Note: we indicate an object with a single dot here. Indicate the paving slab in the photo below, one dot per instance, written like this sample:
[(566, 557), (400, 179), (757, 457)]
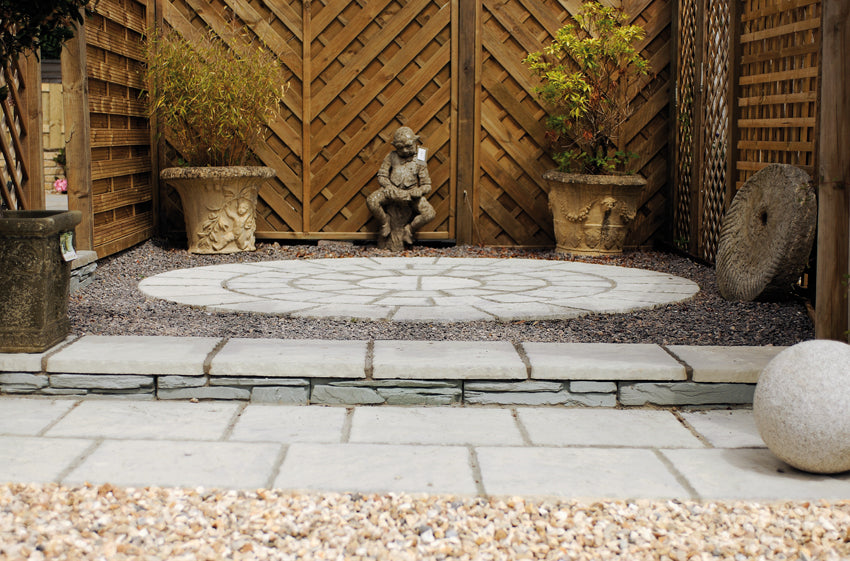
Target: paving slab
[(753, 474), (96, 354), (412, 289), (287, 424), (432, 425), (291, 358), (137, 463), (28, 416), (734, 428), (577, 473), (25, 459), (606, 427), (154, 420), (377, 468), (447, 360), (724, 363), (602, 361)]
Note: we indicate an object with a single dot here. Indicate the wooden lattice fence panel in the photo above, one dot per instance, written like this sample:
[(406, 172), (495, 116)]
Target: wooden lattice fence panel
[(20, 136), (375, 66), (511, 194), (121, 155), (778, 83), (686, 94), (714, 125)]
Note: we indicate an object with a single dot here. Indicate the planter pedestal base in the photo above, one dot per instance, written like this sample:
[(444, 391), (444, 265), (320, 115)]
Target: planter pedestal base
[(34, 279)]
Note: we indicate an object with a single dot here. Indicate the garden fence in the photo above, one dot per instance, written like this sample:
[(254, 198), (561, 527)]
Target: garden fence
[(21, 170)]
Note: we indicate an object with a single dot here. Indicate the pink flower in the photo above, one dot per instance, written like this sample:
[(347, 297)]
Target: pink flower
[(60, 185)]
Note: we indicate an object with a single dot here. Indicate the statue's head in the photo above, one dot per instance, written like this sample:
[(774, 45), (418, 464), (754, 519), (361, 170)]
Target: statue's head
[(405, 141)]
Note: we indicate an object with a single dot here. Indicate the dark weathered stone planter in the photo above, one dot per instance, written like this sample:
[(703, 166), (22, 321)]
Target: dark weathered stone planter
[(219, 205), (34, 279), (592, 213)]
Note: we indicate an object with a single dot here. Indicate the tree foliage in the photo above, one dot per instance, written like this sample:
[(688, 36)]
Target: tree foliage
[(585, 73), (26, 24)]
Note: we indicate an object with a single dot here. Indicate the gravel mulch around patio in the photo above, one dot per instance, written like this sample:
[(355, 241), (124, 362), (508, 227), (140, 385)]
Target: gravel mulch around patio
[(54, 522), (113, 305)]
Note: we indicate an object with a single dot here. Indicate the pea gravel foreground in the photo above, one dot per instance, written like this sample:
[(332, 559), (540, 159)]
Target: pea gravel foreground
[(105, 522)]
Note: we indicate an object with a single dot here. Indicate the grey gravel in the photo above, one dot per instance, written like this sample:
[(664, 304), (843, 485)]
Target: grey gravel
[(113, 305)]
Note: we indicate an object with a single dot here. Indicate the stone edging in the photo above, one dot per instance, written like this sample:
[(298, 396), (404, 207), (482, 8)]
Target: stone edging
[(388, 372)]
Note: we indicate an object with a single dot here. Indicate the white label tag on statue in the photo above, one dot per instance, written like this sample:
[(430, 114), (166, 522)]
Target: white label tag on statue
[(422, 154), (66, 244)]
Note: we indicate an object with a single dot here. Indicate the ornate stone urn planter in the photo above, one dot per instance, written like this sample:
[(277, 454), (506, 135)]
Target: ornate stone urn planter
[(219, 205), (35, 279), (592, 213)]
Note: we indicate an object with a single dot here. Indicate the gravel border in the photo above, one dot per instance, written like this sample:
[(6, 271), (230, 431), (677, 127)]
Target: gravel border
[(113, 305), (105, 522)]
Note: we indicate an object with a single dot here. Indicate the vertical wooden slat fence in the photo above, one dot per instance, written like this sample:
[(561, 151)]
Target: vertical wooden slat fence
[(21, 173)]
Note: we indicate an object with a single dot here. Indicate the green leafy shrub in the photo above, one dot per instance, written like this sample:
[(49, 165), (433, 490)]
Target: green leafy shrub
[(585, 74), (215, 97)]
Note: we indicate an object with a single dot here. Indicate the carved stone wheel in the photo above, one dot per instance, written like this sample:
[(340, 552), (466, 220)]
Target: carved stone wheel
[(767, 235)]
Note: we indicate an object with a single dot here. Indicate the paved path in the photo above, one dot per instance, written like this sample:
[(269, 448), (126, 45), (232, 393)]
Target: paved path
[(426, 289), (571, 453)]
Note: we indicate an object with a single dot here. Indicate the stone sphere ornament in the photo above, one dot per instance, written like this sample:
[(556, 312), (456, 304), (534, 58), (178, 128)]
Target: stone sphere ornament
[(802, 406)]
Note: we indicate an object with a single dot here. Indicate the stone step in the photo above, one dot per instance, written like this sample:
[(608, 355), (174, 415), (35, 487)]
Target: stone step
[(388, 372)]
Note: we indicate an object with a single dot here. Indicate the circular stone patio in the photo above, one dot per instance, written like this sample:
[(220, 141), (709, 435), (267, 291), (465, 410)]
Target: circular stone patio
[(432, 289)]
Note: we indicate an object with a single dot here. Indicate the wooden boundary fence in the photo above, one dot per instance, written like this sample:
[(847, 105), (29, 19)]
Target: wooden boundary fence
[(452, 71)]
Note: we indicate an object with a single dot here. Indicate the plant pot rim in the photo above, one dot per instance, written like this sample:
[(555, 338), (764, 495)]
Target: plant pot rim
[(595, 179), (217, 172)]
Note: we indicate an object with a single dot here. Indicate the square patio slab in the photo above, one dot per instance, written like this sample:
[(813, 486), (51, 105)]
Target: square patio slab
[(726, 364), (281, 423), (601, 361), (25, 459), (432, 425), (577, 473), (376, 468), (606, 427), (753, 474), (137, 463), (291, 358), (447, 360), (726, 429), (160, 420), (23, 416), (97, 354)]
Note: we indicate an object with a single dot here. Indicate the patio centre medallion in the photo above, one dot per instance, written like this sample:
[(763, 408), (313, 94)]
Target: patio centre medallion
[(429, 289)]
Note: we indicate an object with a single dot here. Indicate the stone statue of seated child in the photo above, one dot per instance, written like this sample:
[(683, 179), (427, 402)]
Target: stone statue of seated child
[(404, 182)]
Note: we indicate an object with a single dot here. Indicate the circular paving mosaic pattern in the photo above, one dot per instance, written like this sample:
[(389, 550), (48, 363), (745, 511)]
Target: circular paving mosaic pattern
[(438, 289)]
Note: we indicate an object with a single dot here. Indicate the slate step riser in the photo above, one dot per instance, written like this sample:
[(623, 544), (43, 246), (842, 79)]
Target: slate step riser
[(384, 392)]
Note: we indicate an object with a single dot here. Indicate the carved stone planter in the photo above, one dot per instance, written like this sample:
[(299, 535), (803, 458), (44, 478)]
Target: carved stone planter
[(592, 213), (34, 279), (219, 205)]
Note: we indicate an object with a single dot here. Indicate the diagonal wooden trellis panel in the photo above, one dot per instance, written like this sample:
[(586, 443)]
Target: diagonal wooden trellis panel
[(449, 69), (376, 66), (20, 124), (685, 125), (512, 157), (121, 157), (779, 67)]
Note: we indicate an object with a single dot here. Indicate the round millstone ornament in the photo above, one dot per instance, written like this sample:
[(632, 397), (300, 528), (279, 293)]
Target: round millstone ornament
[(802, 406), (766, 235)]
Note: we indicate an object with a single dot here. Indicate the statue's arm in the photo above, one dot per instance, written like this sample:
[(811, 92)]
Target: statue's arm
[(384, 171)]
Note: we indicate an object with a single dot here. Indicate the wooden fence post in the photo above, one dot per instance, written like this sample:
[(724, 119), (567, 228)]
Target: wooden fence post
[(468, 86), (30, 67), (77, 135), (831, 293)]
